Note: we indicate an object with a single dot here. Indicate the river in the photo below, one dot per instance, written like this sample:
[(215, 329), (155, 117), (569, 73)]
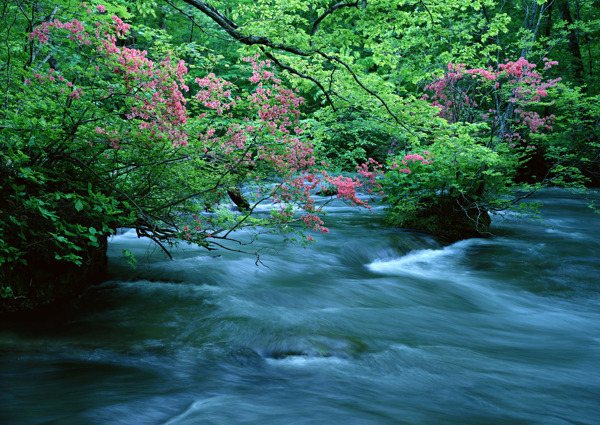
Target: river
[(371, 325)]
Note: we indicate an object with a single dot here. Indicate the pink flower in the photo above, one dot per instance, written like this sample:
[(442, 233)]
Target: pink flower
[(101, 8)]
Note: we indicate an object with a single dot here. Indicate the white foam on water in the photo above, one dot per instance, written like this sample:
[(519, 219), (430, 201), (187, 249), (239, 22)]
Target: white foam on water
[(229, 409), (302, 362), (189, 415), (426, 262), (165, 288), (562, 233)]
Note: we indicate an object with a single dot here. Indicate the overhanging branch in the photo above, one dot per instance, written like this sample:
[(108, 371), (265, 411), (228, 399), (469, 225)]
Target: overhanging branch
[(371, 92), (193, 21), (233, 29), (315, 26), (301, 75)]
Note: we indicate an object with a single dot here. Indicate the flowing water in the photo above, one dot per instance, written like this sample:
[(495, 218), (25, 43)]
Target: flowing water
[(370, 326)]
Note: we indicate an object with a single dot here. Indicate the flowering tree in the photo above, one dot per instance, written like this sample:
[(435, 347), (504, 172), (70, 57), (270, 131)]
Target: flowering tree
[(505, 99), (484, 127), (98, 135)]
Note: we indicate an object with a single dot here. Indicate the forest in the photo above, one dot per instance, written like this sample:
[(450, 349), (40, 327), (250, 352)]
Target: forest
[(301, 212), (182, 119)]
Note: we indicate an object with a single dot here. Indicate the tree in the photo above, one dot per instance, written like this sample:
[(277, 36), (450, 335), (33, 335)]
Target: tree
[(370, 60), (106, 127), (489, 118), (104, 137)]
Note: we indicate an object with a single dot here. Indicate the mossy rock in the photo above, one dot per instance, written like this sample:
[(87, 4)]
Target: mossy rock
[(328, 191), (449, 219)]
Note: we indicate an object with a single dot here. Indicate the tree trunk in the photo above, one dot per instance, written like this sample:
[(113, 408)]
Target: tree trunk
[(573, 45), (238, 198), (46, 285)]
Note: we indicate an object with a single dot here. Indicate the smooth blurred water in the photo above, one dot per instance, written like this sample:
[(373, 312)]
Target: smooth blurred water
[(369, 326)]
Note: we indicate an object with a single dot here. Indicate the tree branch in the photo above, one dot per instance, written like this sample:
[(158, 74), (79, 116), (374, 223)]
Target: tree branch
[(193, 21), (371, 92), (301, 75), (329, 11), (233, 29)]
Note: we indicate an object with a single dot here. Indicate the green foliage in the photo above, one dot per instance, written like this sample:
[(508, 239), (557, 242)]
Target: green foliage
[(453, 168), (348, 138), (6, 292), (97, 136), (129, 257), (572, 150), (372, 59), (65, 186)]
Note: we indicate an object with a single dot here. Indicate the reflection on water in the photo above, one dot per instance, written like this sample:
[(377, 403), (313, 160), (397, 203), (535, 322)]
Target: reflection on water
[(369, 326)]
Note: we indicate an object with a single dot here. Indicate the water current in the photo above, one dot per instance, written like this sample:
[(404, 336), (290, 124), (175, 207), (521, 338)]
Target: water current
[(371, 325)]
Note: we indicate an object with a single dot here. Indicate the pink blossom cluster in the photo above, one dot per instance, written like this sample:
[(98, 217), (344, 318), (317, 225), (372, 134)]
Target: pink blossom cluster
[(155, 90), (214, 93), (522, 67), (41, 31), (370, 177), (534, 122), (66, 86), (272, 136), (314, 222), (514, 82), (268, 138), (276, 105), (415, 157)]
